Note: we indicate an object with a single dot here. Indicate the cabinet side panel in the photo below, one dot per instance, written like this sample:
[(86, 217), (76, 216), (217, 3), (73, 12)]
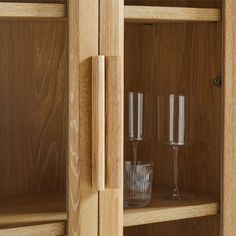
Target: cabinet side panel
[(83, 44), (229, 162)]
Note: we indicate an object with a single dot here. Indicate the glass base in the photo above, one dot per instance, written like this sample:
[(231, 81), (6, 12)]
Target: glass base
[(177, 197)]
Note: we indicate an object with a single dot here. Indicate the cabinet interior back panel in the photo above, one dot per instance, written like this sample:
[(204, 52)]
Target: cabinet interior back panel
[(33, 101), (206, 226)]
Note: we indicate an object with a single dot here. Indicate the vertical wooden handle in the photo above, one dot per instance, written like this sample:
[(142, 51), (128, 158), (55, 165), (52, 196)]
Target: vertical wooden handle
[(98, 122), (114, 122)]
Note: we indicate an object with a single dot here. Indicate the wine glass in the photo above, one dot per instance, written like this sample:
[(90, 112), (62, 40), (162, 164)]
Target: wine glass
[(174, 128), (135, 120)]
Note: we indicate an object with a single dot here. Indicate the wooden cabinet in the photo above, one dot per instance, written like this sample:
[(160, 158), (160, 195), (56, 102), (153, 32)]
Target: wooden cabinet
[(66, 67)]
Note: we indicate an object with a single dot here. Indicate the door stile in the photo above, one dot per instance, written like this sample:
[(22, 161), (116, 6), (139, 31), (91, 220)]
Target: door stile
[(82, 199), (111, 37)]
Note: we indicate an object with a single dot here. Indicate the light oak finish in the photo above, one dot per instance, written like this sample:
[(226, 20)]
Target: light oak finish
[(98, 122), (152, 14), (53, 229), (114, 107), (33, 208), (229, 162), (83, 44), (161, 210), (33, 100), (8, 9), (111, 44)]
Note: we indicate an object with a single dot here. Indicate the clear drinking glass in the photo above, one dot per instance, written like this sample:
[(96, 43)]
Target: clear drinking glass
[(134, 122), (137, 183), (175, 123)]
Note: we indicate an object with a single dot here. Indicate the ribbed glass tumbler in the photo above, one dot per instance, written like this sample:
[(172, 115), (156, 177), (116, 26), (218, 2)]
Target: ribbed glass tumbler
[(137, 183)]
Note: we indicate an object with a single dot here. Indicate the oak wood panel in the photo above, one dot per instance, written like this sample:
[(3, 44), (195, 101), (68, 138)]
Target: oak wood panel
[(229, 162), (53, 229), (83, 44), (111, 44), (208, 226), (152, 14), (161, 210), (8, 9), (179, 58), (98, 122), (32, 208), (33, 100), (114, 127)]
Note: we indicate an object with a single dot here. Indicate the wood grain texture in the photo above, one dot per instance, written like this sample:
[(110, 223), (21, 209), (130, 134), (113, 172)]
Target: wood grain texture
[(33, 100), (8, 9), (229, 162), (152, 14), (114, 127), (98, 122), (33, 208), (83, 44), (111, 44), (161, 210), (53, 229), (208, 226)]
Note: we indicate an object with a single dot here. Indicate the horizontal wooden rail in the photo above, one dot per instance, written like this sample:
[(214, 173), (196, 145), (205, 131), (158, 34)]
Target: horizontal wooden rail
[(152, 14), (38, 10)]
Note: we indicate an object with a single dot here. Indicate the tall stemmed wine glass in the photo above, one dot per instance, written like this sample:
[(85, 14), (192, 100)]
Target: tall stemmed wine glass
[(135, 120), (174, 129)]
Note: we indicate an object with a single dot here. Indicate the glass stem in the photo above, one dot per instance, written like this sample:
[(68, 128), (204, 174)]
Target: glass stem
[(176, 193), (135, 151)]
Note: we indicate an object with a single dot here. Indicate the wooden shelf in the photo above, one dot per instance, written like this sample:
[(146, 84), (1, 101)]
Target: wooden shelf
[(166, 210), (32, 209), (38, 10), (152, 14), (52, 229)]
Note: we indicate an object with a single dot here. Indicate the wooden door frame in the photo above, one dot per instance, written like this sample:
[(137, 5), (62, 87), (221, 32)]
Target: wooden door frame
[(82, 199), (111, 37)]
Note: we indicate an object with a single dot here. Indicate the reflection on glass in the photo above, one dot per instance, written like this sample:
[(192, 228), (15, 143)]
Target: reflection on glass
[(135, 120)]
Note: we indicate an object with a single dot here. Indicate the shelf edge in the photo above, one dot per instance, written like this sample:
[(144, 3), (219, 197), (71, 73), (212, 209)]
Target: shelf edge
[(31, 10), (148, 14), (143, 216)]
